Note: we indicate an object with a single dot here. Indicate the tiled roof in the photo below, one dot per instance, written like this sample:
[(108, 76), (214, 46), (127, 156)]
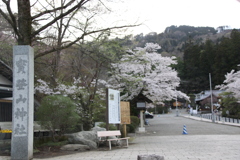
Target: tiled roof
[(205, 94)]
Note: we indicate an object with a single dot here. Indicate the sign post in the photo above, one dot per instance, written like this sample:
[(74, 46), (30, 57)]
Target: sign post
[(125, 116), (113, 107)]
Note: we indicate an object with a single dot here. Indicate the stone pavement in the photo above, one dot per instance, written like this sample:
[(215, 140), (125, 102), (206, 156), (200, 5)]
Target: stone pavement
[(204, 141)]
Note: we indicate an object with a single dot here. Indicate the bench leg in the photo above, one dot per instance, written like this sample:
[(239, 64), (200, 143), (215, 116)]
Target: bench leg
[(109, 145), (127, 142)]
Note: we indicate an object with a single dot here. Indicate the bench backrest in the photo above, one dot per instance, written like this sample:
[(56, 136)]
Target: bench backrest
[(108, 133)]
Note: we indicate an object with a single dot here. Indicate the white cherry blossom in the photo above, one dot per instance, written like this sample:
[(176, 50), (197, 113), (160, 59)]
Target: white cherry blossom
[(145, 71), (232, 83)]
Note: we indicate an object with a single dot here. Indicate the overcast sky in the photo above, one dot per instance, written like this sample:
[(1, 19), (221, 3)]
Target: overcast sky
[(156, 15)]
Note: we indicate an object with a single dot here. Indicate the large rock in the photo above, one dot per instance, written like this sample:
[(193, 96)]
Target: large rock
[(150, 157), (96, 128), (88, 138), (75, 147)]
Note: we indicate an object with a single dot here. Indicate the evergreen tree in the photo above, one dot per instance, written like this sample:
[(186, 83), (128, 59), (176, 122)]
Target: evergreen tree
[(191, 68), (200, 60), (206, 60), (235, 49), (222, 61)]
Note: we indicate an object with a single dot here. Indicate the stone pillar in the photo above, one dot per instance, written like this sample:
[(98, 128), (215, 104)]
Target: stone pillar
[(141, 128), (23, 103)]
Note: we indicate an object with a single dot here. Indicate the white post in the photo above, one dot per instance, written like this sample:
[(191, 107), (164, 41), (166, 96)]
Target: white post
[(176, 105), (141, 119)]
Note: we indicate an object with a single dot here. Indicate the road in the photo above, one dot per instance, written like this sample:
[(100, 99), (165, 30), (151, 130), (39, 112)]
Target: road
[(170, 125)]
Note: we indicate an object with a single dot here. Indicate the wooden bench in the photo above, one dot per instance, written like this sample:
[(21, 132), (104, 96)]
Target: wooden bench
[(106, 134)]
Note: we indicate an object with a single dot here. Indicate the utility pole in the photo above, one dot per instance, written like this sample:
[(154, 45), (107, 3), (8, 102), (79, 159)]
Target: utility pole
[(213, 115)]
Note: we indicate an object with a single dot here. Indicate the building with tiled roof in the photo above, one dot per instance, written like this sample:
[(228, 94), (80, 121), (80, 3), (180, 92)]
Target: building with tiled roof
[(203, 99)]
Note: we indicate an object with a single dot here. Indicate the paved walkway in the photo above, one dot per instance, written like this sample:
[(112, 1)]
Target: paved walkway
[(204, 141)]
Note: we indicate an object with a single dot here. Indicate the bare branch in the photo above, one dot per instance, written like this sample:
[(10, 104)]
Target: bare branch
[(79, 5), (104, 5), (67, 25), (11, 20), (53, 10), (79, 38)]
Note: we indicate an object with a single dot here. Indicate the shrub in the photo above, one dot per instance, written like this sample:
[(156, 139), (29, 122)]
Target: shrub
[(134, 124), (57, 112)]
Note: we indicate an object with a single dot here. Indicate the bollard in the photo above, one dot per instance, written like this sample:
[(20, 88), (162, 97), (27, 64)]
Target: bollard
[(184, 129), (147, 122)]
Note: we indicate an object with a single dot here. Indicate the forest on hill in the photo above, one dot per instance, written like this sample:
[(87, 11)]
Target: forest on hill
[(217, 58), (174, 38)]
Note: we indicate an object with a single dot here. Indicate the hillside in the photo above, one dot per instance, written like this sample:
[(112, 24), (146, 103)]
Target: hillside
[(173, 39)]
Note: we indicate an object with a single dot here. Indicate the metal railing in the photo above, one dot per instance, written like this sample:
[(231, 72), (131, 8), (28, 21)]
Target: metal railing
[(218, 118)]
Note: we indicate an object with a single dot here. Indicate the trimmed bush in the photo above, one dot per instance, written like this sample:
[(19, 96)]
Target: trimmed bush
[(134, 124)]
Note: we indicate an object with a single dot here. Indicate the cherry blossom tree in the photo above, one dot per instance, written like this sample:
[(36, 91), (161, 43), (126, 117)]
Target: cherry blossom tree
[(232, 84), (145, 71)]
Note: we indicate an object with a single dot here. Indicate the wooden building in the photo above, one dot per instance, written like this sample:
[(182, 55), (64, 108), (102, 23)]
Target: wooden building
[(203, 99), (5, 92)]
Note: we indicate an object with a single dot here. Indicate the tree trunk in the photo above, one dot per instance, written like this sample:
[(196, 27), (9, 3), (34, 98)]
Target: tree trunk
[(24, 22)]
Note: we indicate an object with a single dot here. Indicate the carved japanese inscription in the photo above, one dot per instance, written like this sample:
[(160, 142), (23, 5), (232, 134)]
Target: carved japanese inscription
[(20, 130), (21, 64), (21, 99), (21, 83), (20, 113)]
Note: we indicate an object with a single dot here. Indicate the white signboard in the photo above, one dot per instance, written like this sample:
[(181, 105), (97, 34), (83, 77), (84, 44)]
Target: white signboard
[(114, 111)]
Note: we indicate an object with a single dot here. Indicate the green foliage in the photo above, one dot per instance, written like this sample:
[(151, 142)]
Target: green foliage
[(57, 112), (47, 141), (50, 143), (162, 110), (134, 121), (91, 112), (99, 113), (179, 67), (130, 128), (112, 127), (159, 109), (134, 124), (230, 105)]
